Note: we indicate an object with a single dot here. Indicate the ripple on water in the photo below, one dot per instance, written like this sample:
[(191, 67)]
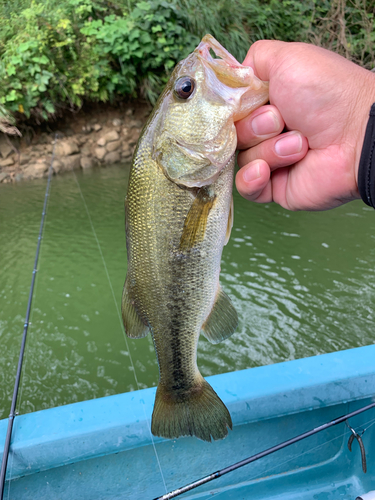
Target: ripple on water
[(302, 283)]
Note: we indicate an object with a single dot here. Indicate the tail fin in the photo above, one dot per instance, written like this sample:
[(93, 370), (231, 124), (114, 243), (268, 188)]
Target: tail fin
[(199, 412)]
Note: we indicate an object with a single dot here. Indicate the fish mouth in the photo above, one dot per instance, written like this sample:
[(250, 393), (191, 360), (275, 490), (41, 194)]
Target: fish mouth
[(242, 86), (227, 69)]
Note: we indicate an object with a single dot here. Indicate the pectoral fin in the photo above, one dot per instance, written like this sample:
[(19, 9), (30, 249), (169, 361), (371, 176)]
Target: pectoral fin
[(222, 320), (196, 219), (230, 222), (134, 326)]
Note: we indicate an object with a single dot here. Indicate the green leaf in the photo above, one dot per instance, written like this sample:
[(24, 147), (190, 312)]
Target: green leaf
[(134, 34), (144, 6), (41, 59), (11, 96), (11, 70), (49, 107), (24, 46)]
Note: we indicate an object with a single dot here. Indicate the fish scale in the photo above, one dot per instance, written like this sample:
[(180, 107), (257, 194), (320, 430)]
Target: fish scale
[(178, 218)]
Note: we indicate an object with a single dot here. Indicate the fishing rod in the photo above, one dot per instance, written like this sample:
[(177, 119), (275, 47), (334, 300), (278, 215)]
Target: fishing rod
[(12, 414), (253, 458)]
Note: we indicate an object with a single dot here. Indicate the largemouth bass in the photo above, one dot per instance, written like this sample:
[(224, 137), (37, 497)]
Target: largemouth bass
[(179, 214)]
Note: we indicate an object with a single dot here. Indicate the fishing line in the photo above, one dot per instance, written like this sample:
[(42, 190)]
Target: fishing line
[(266, 471), (347, 431), (365, 429), (121, 325), (26, 358), (12, 414), (10, 473), (237, 465), (268, 451)]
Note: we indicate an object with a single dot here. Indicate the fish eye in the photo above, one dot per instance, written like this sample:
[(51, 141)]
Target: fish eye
[(184, 87)]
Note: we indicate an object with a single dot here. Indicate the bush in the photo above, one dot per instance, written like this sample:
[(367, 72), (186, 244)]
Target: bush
[(56, 54), (140, 48), (346, 27)]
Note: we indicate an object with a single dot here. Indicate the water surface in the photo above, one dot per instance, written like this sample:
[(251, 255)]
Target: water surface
[(303, 284)]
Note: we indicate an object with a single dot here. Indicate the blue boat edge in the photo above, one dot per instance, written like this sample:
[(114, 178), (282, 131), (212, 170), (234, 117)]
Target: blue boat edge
[(268, 405)]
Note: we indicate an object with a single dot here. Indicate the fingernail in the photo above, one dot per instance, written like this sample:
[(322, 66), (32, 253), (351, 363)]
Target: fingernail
[(252, 173), (265, 124), (289, 145)]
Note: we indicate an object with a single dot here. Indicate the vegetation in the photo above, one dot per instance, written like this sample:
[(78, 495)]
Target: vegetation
[(56, 54)]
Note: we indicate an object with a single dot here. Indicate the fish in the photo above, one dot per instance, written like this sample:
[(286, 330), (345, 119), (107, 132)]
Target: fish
[(178, 217)]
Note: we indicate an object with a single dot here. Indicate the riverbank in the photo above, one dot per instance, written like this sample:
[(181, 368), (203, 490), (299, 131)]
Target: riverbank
[(99, 136)]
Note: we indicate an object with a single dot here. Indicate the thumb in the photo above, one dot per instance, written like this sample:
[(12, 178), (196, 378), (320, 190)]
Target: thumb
[(262, 57)]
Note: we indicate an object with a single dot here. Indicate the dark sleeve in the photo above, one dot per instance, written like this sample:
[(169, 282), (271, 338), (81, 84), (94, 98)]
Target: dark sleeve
[(366, 171)]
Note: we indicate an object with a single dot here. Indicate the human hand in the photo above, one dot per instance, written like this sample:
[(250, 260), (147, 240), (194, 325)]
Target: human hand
[(323, 100)]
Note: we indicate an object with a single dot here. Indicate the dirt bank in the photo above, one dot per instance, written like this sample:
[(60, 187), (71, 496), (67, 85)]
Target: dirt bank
[(93, 136)]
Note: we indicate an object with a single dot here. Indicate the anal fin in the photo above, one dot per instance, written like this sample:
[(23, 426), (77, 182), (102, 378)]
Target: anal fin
[(134, 326), (222, 320)]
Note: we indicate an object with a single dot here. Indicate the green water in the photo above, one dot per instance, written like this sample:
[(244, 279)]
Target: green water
[(303, 284)]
